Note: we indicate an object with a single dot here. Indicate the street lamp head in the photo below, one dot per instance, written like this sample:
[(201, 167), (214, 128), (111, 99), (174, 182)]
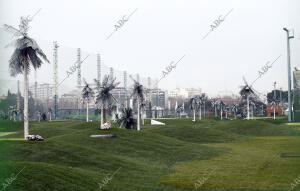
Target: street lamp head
[(286, 29)]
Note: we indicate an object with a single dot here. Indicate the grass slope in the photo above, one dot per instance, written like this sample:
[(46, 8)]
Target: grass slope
[(171, 157)]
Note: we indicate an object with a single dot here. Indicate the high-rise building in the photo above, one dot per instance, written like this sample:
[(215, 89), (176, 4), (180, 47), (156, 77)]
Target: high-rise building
[(43, 91)]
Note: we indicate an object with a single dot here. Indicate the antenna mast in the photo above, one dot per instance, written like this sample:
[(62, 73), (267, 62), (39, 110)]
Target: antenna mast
[(79, 79), (111, 72), (55, 78)]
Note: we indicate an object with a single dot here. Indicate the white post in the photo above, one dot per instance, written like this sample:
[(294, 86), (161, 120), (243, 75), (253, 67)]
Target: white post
[(194, 115), (200, 116), (274, 116), (50, 116), (26, 123), (102, 117), (248, 114), (87, 111), (215, 111), (138, 114), (221, 113)]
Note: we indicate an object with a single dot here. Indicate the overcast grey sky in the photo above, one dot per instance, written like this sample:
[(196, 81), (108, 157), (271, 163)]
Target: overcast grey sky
[(160, 32)]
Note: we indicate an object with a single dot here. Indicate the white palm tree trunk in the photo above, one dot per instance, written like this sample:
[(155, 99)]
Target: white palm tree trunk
[(204, 110), (87, 111), (102, 117), (194, 113), (248, 112), (200, 114), (26, 123), (221, 113), (138, 114), (215, 111), (143, 120)]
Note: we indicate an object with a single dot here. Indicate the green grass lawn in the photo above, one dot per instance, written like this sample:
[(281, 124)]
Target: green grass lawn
[(211, 154)]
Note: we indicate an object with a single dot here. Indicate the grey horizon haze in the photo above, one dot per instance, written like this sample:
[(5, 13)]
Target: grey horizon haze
[(156, 34)]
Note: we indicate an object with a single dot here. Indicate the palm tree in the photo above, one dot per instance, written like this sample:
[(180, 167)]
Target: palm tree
[(126, 118), (193, 105), (199, 101), (252, 104), (204, 100), (221, 107), (234, 110), (104, 97), (13, 112), (273, 106), (39, 115), (143, 110), (226, 111), (138, 93), (50, 114), (246, 91), (214, 104), (179, 110), (87, 95), (27, 52)]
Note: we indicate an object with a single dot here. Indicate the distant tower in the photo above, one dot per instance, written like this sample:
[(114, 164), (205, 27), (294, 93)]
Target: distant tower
[(111, 72), (125, 88), (99, 68), (157, 93), (149, 82), (55, 78), (149, 89), (47, 98), (79, 79)]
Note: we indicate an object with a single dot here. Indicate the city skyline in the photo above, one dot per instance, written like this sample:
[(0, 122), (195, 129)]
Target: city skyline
[(213, 64)]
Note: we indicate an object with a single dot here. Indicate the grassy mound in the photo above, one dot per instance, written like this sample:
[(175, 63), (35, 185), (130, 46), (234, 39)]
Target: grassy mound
[(164, 158)]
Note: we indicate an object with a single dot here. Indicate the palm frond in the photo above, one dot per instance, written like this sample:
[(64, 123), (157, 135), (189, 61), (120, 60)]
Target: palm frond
[(27, 52)]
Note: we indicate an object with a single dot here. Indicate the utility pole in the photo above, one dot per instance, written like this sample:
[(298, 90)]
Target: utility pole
[(55, 78), (289, 71), (281, 102), (79, 80)]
